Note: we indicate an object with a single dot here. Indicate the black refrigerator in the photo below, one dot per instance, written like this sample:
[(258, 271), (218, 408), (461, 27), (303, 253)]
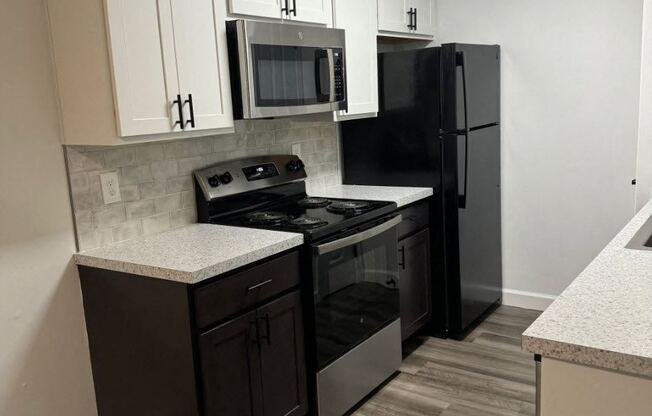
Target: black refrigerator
[(439, 126)]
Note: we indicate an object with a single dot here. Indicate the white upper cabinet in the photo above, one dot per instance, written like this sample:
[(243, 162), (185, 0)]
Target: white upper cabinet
[(358, 19), (202, 60), (307, 11), (311, 11), (260, 8), (424, 17), (145, 75), (134, 71), (406, 18), (392, 16)]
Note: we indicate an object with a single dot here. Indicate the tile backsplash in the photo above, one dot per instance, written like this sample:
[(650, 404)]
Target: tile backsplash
[(156, 182)]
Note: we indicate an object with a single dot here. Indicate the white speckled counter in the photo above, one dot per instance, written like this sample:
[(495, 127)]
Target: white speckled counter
[(604, 318), (399, 194), (190, 254)]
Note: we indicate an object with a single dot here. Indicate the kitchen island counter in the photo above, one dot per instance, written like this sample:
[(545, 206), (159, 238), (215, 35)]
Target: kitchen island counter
[(604, 318)]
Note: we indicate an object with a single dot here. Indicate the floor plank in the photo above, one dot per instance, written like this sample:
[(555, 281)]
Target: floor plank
[(485, 374)]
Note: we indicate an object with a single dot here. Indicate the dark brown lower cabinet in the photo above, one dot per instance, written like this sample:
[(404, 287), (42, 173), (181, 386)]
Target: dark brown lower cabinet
[(415, 276), (232, 345), (255, 364), (231, 368)]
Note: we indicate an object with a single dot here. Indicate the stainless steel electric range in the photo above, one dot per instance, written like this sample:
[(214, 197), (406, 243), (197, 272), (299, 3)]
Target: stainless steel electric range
[(351, 268)]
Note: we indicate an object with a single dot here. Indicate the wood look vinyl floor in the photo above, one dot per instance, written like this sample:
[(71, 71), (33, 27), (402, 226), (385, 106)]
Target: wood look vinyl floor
[(486, 374)]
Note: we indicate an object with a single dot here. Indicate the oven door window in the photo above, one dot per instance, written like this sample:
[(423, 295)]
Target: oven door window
[(355, 294), (290, 75)]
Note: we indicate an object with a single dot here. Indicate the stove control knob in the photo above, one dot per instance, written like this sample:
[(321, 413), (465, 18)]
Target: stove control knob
[(214, 181), (226, 178), (295, 165)]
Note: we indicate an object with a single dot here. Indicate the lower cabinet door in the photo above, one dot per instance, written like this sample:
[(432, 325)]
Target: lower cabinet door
[(230, 366), (415, 289), (283, 357)]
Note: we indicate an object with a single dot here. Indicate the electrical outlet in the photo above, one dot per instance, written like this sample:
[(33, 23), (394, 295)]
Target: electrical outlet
[(110, 187), (296, 149)]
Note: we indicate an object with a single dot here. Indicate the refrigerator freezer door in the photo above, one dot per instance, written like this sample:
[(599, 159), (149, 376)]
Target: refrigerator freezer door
[(476, 70), (477, 238)]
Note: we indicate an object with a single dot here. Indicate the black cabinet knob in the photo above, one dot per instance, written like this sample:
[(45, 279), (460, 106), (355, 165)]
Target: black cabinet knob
[(295, 165), (226, 178), (214, 181)]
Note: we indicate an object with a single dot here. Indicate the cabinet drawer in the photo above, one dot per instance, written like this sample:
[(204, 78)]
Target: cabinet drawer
[(415, 217), (242, 290)]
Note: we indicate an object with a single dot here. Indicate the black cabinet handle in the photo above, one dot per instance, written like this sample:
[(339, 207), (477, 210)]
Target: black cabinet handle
[(179, 103), (461, 62), (294, 8), (402, 262), (192, 112), (285, 8), (416, 19), (411, 14), (268, 334)]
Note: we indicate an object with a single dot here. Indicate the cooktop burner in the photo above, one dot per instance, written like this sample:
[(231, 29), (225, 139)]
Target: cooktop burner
[(349, 207), (266, 218), (314, 217), (312, 202), (308, 222)]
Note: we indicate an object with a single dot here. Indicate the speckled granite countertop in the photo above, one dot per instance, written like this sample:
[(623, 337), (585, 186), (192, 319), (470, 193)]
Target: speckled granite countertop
[(190, 254), (604, 318), (399, 194)]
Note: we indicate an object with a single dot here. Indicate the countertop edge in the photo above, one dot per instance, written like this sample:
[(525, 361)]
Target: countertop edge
[(415, 198), (588, 356), (187, 276), (415, 194)]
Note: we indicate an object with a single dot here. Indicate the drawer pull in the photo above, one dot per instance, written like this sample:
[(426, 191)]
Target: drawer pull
[(261, 284)]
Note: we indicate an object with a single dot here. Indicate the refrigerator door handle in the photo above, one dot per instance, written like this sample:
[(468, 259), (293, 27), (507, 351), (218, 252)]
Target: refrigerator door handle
[(461, 62)]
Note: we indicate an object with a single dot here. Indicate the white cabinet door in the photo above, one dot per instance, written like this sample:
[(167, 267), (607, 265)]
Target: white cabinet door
[(424, 16), (144, 70), (392, 16), (311, 11), (202, 63), (260, 8), (359, 19)]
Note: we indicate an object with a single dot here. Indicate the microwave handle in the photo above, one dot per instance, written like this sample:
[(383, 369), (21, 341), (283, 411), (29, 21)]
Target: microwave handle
[(329, 96), (359, 237)]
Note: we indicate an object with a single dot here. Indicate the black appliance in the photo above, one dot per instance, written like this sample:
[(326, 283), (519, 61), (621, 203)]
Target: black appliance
[(438, 126), (351, 268)]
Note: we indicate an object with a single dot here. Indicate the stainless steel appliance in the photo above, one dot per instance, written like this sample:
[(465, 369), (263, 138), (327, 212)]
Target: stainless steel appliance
[(439, 126), (351, 269), (284, 69)]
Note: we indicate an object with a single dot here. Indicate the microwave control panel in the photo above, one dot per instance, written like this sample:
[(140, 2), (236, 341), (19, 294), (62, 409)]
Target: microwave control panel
[(339, 75)]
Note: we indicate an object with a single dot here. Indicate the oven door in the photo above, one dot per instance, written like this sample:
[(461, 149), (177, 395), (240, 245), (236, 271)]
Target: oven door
[(290, 69), (355, 284)]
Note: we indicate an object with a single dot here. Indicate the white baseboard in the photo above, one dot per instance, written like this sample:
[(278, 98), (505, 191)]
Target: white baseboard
[(528, 300)]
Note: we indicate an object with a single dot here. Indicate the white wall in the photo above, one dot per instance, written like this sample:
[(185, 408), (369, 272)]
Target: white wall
[(44, 363), (571, 71), (644, 174)]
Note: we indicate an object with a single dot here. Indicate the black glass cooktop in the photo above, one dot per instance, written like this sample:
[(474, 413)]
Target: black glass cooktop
[(315, 217)]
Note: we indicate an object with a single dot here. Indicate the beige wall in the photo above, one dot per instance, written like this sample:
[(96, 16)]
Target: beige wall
[(644, 171), (44, 363)]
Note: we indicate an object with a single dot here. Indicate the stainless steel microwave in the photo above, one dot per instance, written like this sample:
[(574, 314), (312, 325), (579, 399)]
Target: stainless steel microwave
[(281, 70)]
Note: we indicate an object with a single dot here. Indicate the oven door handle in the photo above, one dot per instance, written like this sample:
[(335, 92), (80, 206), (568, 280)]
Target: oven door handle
[(359, 237)]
